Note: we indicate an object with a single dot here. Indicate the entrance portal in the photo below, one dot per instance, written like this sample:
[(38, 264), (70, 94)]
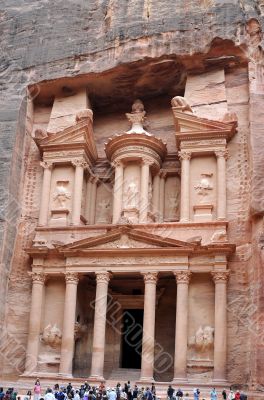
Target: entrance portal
[(131, 340)]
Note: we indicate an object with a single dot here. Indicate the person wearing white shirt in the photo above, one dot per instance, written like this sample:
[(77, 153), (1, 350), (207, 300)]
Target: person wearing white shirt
[(112, 395), (49, 395)]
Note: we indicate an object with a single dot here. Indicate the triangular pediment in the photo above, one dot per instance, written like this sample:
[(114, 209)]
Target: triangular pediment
[(125, 238), (80, 135), (190, 126)]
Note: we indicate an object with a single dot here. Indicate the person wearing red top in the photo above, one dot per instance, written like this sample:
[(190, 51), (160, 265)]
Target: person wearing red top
[(237, 395)]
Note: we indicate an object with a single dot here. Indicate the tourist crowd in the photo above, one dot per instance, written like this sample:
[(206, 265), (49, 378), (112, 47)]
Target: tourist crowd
[(125, 392)]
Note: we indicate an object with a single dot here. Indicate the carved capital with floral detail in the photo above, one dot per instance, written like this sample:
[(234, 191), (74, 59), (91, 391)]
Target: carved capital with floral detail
[(150, 277), (185, 155), (79, 163), (38, 277), (220, 276), (71, 277), (146, 161), (222, 153), (162, 174), (102, 277), (182, 276), (46, 164), (117, 163)]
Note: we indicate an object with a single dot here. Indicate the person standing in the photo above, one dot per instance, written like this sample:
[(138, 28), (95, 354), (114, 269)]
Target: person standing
[(170, 392), (179, 394), (196, 394), (243, 396), (213, 394), (237, 395), (49, 395), (37, 390), (231, 395), (224, 394), (112, 395)]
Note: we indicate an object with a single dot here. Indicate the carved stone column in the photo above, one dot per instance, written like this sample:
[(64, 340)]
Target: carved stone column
[(45, 195), (67, 345), (185, 157), (118, 190), (181, 331), (162, 196), (97, 368), (220, 279), (77, 194), (156, 194), (93, 200), (144, 186), (148, 340), (88, 199), (38, 279), (221, 156)]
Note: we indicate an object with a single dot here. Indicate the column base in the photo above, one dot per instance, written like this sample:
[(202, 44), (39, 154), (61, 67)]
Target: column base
[(64, 375), (146, 379), (180, 380), (184, 220), (96, 378)]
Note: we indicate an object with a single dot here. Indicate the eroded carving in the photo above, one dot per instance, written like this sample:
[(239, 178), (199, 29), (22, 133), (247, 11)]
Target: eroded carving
[(61, 194), (51, 336), (203, 340), (181, 104), (204, 187)]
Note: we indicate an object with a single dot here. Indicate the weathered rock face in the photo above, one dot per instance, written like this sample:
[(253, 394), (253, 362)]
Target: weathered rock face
[(133, 47)]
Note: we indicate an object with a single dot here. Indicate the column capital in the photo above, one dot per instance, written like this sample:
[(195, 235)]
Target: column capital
[(102, 277), (79, 163), (38, 277), (150, 277), (162, 174), (222, 154), (117, 163), (93, 179), (185, 155), (182, 276), (46, 164), (220, 276), (146, 161), (71, 277)]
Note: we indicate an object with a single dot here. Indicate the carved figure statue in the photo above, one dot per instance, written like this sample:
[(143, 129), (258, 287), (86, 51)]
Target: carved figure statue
[(52, 336), (137, 118), (79, 330), (150, 194), (174, 203), (181, 103), (61, 194), (131, 195), (203, 339), (204, 187), (104, 208)]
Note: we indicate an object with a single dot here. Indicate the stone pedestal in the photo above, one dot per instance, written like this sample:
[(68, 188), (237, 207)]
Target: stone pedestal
[(203, 212), (59, 217)]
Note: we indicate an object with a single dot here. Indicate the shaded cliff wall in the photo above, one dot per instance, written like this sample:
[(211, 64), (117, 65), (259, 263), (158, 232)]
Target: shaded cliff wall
[(43, 40)]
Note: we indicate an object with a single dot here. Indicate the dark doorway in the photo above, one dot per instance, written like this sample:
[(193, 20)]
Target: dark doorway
[(131, 344)]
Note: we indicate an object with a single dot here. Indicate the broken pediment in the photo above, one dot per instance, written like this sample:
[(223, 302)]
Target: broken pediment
[(78, 136), (191, 127)]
